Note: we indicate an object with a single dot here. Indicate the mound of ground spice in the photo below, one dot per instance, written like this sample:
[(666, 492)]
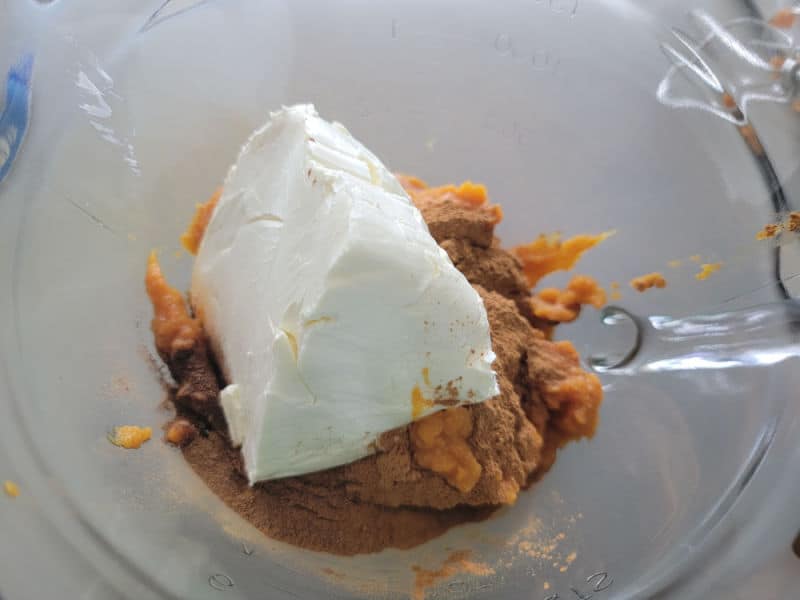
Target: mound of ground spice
[(455, 466)]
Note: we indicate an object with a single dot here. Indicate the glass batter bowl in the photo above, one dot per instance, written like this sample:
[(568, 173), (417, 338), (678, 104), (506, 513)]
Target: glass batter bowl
[(579, 115)]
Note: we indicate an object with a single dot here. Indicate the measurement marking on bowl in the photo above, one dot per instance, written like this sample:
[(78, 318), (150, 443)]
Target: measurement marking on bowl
[(220, 582), (558, 7), (514, 131), (597, 582), (540, 59), (503, 44), (470, 587), (461, 588), (458, 587), (562, 7)]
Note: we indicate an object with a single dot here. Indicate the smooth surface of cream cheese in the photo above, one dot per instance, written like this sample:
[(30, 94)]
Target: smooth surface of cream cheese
[(333, 312)]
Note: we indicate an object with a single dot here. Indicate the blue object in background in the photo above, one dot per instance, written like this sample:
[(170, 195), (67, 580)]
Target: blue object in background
[(14, 120)]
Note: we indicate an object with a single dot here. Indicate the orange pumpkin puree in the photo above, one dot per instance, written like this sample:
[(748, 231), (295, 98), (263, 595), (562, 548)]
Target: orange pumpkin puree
[(706, 270), (790, 223), (419, 403), (180, 432), (728, 101), (783, 19), (579, 395), (548, 253), (440, 444), (646, 282), (769, 230), (564, 306), (193, 235), (11, 489), (173, 327), (130, 436)]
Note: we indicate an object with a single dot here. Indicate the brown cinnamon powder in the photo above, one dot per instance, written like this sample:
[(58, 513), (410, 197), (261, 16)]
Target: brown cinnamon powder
[(389, 499)]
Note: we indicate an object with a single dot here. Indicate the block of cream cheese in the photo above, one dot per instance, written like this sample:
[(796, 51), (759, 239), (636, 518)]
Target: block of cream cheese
[(334, 314)]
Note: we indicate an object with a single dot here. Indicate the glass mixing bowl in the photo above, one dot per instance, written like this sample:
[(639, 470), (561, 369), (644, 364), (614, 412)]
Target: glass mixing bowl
[(579, 115)]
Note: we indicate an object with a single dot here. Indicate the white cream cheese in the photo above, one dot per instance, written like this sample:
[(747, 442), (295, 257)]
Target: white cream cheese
[(331, 308)]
